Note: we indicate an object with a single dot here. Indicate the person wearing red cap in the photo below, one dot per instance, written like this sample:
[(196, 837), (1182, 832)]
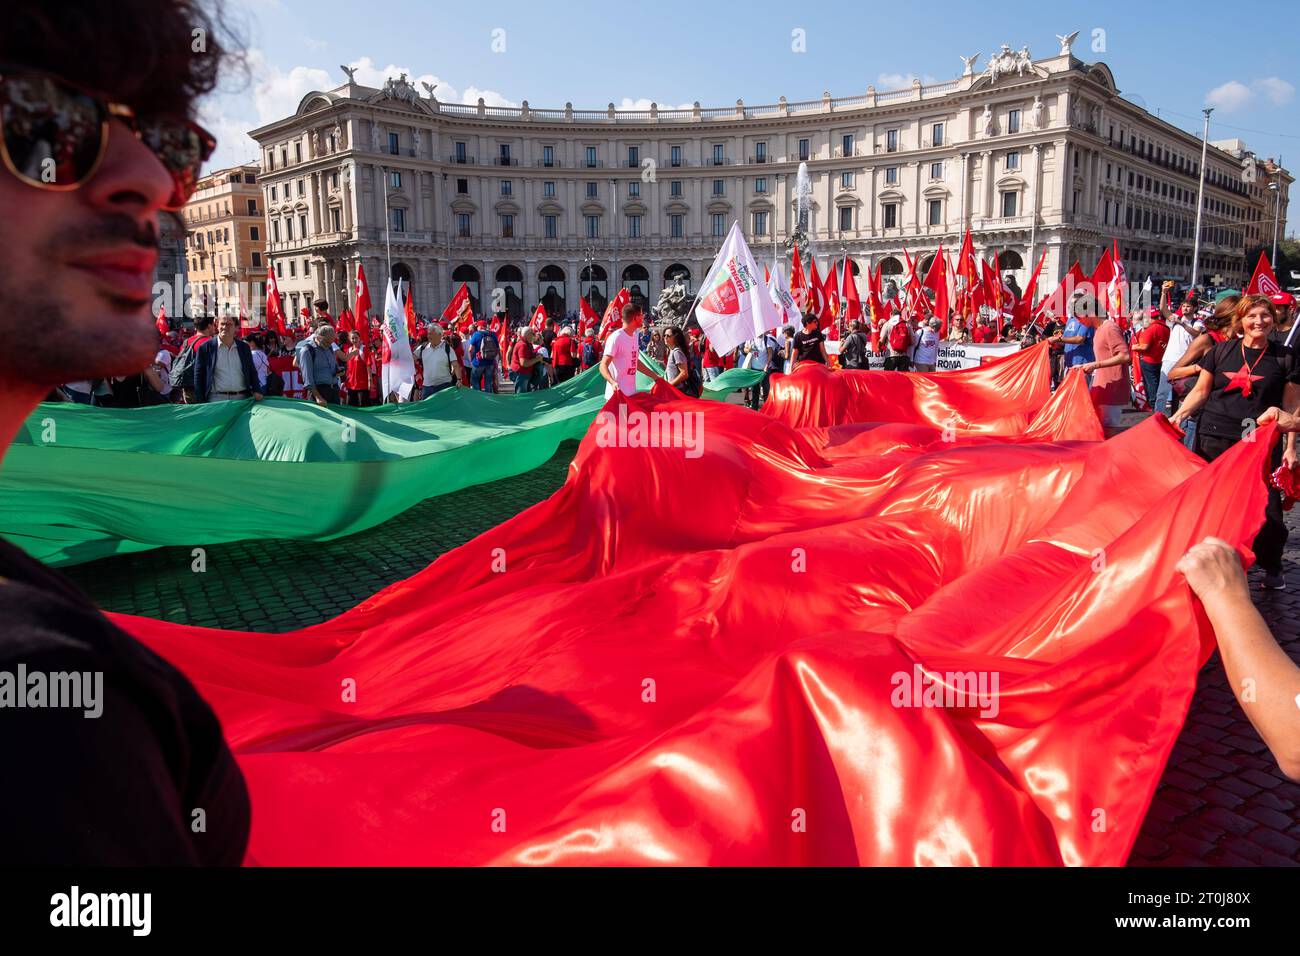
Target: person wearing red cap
[(1150, 346), (1283, 331)]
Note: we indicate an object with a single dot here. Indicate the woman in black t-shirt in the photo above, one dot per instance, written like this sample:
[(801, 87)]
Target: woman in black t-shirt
[(809, 345), (1239, 378)]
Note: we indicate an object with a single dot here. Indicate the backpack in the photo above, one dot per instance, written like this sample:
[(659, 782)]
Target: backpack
[(183, 367), (451, 359), (899, 336), (588, 354), (488, 347), (852, 352), (274, 383)]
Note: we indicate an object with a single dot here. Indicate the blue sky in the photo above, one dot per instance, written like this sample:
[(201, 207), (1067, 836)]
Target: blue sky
[(672, 52)]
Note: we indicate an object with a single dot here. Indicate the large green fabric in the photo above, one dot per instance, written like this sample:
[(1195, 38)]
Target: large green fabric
[(81, 483)]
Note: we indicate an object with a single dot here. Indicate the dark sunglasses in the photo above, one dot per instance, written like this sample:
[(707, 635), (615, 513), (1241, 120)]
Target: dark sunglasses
[(55, 134)]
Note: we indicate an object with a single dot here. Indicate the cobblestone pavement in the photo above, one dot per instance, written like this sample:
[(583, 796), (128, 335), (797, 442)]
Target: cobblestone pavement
[(1221, 801)]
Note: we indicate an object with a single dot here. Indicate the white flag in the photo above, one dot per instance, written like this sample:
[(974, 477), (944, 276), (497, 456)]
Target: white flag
[(787, 311), (734, 305), (399, 368)]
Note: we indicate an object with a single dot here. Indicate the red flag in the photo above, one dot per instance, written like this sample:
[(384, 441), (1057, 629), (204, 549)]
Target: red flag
[(798, 282), (852, 304), (816, 294), (914, 299), (1263, 282), (274, 309), (767, 274), (613, 313), (538, 322), (361, 318), (411, 321), (589, 320), (1116, 288), (831, 299), (163, 326), (936, 280), (1024, 309), (969, 277), (457, 304), (345, 323)]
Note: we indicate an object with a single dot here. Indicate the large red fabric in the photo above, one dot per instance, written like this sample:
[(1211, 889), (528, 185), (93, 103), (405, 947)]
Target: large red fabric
[(683, 659)]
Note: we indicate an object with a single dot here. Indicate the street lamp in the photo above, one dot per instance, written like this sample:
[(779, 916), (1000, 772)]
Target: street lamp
[(1200, 198)]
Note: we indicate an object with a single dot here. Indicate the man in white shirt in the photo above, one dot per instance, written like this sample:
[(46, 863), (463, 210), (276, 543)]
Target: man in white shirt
[(437, 361), (622, 357)]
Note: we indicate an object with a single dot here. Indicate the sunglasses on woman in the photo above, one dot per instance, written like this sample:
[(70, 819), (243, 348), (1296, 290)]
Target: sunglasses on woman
[(55, 134)]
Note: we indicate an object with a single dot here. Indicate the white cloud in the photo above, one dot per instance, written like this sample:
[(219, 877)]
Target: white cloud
[(1278, 90), (643, 104), (1235, 95), (900, 81)]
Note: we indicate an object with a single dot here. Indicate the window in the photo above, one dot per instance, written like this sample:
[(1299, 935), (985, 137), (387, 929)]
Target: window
[(548, 189), (395, 179), (288, 229), (718, 185), (591, 157), (249, 178), (675, 187), (275, 232), (760, 223), (302, 225), (803, 149), (676, 155), (675, 225), (891, 175), (257, 260), (284, 156), (254, 233), (302, 187), (889, 215), (460, 153), (394, 144), (846, 218), (760, 185), (1013, 121), (846, 180), (634, 227), (717, 154), (634, 189), (1013, 159), (891, 141), (1009, 204), (306, 267), (936, 170), (591, 190), (846, 144), (507, 226), (633, 157), (399, 219), (934, 212), (462, 224), (550, 226), (760, 152), (336, 220), (593, 227), (293, 268), (505, 154), (252, 207), (936, 134), (719, 225), (273, 194), (548, 156), (507, 187), (297, 152), (334, 180), (462, 187)]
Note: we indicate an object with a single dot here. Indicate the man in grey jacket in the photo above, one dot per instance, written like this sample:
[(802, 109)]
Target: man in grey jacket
[(319, 367)]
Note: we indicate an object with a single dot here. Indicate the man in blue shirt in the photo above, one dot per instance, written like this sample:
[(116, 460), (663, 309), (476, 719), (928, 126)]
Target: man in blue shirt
[(484, 353), (1077, 336)]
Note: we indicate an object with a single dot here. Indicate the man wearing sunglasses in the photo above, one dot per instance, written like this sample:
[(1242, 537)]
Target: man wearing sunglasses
[(126, 763)]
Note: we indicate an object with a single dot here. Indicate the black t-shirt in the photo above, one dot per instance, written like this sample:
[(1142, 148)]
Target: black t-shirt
[(122, 788), (807, 346), (1225, 411)]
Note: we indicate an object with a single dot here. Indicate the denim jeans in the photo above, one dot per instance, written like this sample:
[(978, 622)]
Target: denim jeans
[(483, 378), (1151, 382), (1164, 395), (427, 390), (711, 372), (523, 381)]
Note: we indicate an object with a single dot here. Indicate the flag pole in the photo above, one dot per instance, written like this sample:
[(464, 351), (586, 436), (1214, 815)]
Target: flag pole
[(388, 225)]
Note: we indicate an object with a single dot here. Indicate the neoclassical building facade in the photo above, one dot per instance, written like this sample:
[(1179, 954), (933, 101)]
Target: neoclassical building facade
[(531, 205)]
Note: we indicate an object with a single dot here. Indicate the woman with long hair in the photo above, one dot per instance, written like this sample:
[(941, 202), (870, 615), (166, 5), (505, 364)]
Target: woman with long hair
[(1239, 379), (677, 364)]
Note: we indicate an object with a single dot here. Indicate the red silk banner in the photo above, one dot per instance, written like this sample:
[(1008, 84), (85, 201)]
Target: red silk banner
[(745, 648)]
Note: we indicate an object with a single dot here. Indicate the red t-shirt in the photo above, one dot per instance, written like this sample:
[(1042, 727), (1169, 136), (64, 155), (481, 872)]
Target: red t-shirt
[(564, 350), (983, 333), (358, 376), (711, 358), (1156, 338), (522, 351)]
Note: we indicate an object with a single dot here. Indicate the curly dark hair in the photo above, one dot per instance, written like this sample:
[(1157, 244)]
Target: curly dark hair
[(145, 53)]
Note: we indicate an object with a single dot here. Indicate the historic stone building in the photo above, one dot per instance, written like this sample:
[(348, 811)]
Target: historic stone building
[(225, 243), (549, 204)]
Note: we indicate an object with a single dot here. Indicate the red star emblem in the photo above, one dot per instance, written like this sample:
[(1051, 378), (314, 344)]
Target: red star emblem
[(1243, 380)]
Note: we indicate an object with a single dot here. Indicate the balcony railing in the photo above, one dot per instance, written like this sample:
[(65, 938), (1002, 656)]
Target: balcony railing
[(462, 160), (506, 161)]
